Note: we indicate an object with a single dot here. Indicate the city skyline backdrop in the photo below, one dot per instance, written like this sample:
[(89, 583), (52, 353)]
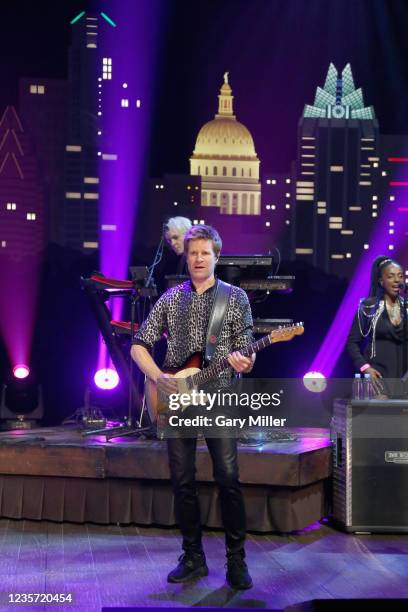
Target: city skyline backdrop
[(111, 151)]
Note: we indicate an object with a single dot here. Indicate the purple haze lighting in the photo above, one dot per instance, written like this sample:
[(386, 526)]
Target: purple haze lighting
[(124, 128), (333, 344), (106, 379), (21, 371)]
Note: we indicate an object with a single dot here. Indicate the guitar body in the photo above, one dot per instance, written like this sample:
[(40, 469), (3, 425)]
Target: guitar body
[(193, 366), (190, 367)]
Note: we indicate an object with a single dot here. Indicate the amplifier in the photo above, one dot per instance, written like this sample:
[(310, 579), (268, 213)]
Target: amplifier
[(370, 465)]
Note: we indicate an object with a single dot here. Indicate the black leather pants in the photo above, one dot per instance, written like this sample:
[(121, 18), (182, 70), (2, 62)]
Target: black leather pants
[(182, 456)]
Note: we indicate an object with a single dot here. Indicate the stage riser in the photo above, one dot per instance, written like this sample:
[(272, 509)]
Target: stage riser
[(144, 502)]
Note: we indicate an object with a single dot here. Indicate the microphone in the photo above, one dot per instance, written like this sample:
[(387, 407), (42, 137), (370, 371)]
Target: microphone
[(402, 285)]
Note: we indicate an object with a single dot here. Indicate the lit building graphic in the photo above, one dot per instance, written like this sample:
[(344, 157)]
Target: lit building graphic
[(21, 191), (43, 109), (90, 74), (225, 158), (337, 176)]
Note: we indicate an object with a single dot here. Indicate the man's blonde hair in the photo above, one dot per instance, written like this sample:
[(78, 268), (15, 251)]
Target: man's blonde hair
[(203, 232)]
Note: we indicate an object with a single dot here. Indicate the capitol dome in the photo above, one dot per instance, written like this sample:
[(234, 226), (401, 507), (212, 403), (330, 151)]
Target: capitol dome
[(225, 158), (224, 136)]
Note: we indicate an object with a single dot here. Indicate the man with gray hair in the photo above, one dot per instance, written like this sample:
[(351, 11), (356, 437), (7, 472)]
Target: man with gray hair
[(174, 232)]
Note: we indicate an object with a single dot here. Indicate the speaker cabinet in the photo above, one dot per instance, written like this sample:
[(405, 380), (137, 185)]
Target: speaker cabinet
[(370, 465)]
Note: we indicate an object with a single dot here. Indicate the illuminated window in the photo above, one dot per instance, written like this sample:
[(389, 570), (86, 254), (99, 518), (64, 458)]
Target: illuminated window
[(91, 196), (267, 223), (287, 222), (73, 148), (73, 195), (31, 216), (268, 181), (375, 164), (391, 247), (348, 255), (301, 251), (138, 103), (273, 181), (287, 180), (107, 68), (391, 223), (109, 156), (383, 173), (287, 205), (374, 206), (37, 89), (273, 207), (366, 247), (124, 102), (11, 206), (108, 228), (375, 198), (391, 231), (268, 207), (287, 194), (91, 180), (90, 245), (336, 168), (3, 244), (374, 214), (392, 198)]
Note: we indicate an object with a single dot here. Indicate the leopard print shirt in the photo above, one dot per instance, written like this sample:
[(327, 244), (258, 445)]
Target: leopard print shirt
[(183, 314)]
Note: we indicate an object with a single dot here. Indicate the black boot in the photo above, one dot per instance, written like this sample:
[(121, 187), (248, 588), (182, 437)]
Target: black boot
[(191, 565), (237, 572)]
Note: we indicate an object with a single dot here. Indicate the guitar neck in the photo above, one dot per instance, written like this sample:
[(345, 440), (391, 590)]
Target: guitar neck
[(215, 369)]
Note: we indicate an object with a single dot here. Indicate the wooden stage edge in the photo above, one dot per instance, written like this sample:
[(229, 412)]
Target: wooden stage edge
[(58, 474)]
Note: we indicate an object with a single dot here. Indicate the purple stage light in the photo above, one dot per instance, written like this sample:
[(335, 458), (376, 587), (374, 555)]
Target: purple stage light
[(123, 129), (106, 379), (315, 382), (21, 371), (379, 244)]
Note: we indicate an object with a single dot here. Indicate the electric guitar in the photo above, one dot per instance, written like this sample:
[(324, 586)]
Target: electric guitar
[(191, 377)]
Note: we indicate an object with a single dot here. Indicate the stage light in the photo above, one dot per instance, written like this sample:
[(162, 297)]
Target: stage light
[(21, 401), (106, 379), (315, 382), (21, 371)]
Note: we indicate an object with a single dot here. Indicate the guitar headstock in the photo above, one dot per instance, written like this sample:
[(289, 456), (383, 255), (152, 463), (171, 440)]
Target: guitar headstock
[(283, 334)]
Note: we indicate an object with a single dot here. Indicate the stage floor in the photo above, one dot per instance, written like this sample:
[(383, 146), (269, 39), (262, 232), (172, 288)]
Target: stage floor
[(58, 474), (127, 566)]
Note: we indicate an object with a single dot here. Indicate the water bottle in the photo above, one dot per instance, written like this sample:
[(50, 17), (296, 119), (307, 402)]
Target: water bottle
[(357, 390), (368, 391)]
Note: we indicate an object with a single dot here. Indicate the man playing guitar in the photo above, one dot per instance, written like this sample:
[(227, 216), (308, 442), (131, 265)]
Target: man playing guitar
[(184, 313)]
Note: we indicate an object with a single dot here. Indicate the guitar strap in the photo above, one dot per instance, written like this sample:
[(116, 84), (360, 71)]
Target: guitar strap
[(217, 316)]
